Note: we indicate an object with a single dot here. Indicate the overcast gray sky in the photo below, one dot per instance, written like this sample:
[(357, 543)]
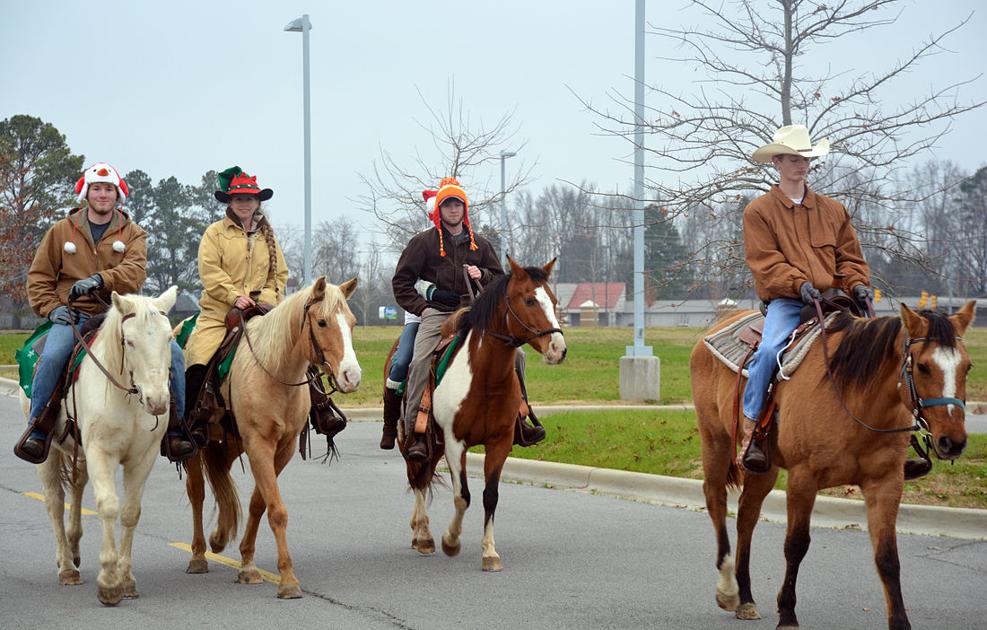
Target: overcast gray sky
[(180, 87)]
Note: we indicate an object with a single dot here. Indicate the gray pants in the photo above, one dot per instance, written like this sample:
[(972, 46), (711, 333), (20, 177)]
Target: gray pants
[(429, 334)]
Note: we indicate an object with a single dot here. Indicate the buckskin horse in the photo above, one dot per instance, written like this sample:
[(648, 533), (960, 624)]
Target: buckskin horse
[(477, 400), (847, 424), (118, 424), (264, 389)]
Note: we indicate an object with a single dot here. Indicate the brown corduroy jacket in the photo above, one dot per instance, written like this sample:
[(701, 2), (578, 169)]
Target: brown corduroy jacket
[(787, 244), (421, 259), (54, 270)]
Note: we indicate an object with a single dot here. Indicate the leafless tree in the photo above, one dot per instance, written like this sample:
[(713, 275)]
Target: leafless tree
[(460, 147), (751, 56), (335, 250)]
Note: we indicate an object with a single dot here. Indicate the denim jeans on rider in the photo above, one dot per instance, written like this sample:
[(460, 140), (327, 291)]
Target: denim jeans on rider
[(781, 320), (402, 356), (55, 356)]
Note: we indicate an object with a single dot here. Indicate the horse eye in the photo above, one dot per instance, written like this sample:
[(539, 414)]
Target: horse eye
[(130, 343), (923, 368), (322, 323), (530, 301)]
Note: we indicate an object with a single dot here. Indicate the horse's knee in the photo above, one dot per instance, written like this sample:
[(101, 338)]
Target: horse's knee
[(277, 516), (129, 516), (108, 506)]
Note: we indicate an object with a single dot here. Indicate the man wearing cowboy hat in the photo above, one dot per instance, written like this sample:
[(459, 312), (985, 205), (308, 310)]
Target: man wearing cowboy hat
[(93, 251), (797, 244)]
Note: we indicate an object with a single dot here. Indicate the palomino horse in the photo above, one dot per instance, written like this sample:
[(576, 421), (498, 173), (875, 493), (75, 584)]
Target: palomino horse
[(264, 389), (477, 400), (120, 424), (837, 427)]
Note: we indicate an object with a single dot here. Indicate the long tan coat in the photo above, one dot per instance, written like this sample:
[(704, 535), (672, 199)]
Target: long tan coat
[(231, 263), (54, 270), (787, 244)]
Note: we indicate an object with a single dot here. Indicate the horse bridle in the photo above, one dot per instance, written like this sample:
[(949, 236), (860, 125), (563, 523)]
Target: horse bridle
[(133, 389), (512, 341)]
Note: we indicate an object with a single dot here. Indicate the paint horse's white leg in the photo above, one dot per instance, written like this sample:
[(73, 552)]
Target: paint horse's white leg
[(421, 535), (54, 493), (102, 466), (135, 475), (456, 460)]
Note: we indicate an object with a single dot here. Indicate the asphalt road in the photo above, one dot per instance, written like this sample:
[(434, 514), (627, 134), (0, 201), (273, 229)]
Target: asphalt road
[(571, 560)]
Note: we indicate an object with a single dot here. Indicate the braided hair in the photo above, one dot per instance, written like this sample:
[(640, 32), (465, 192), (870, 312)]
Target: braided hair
[(272, 251)]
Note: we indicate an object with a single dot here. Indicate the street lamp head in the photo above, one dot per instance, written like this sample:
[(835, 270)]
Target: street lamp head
[(507, 154), (299, 25)]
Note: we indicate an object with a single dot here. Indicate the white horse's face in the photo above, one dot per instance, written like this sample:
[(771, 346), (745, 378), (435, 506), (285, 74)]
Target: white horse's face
[(333, 337), (147, 336)]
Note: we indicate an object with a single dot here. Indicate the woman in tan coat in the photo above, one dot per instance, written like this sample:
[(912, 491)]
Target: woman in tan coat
[(240, 264)]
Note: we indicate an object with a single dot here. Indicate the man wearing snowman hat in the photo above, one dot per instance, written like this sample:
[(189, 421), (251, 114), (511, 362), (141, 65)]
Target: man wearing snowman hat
[(85, 256)]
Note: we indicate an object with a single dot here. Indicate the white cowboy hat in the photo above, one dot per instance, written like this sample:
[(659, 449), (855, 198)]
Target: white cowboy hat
[(791, 140)]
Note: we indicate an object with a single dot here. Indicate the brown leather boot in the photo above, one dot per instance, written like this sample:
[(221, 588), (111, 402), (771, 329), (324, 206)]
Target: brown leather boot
[(526, 434), (751, 456), (418, 451), (392, 413), (916, 467), (29, 447), (176, 445)]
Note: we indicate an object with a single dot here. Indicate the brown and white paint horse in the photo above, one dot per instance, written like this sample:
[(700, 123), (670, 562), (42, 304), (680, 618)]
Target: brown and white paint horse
[(477, 401), (887, 372), (311, 327)]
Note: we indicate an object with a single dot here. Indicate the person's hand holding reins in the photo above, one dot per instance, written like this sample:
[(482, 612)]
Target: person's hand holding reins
[(85, 287), (243, 302), (63, 315), (473, 271), (809, 293)]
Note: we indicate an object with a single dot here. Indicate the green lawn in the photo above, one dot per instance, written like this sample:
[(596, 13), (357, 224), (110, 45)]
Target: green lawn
[(667, 443)]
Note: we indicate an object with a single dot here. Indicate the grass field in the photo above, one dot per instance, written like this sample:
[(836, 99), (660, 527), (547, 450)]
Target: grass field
[(667, 443)]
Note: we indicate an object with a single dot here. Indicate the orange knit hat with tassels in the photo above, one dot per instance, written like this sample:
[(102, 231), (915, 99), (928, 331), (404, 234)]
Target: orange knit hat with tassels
[(449, 188)]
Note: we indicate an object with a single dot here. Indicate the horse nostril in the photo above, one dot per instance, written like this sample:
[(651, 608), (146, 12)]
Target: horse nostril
[(565, 351), (948, 446)]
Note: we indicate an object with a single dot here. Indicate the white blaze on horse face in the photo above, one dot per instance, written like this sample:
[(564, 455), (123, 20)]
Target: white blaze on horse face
[(556, 343), (948, 360), (349, 368), (453, 389)]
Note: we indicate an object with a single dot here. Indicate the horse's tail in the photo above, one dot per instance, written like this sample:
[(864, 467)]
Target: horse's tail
[(735, 476), (424, 476), (227, 499)]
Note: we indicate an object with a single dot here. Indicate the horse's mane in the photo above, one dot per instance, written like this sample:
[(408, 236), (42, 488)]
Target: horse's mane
[(481, 314), (869, 342), (274, 335)]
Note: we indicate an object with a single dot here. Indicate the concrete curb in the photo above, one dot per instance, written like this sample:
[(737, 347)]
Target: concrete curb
[(833, 512), (677, 492)]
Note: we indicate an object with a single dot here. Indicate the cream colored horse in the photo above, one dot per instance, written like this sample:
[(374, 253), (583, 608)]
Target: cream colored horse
[(117, 428)]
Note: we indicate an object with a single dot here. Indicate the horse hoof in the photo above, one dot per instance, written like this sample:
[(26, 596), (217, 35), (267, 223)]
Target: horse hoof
[(493, 564), (197, 565), (727, 602), (748, 612), (451, 550), (290, 591), (69, 577), (130, 591), (425, 546), (109, 596), (249, 577)]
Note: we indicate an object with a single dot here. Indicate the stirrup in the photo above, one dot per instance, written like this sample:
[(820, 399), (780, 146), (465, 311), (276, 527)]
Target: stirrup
[(28, 457)]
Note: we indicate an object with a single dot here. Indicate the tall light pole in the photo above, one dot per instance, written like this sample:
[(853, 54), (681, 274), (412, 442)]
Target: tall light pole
[(503, 207), (303, 26)]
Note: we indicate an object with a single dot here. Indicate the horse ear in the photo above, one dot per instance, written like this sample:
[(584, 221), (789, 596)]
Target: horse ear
[(348, 287), (548, 267), (319, 288), (120, 303), (914, 323), (516, 270), (964, 317), (166, 300)]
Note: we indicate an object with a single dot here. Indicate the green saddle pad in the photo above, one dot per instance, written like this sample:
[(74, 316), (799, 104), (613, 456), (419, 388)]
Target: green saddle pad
[(186, 331), (27, 357), (440, 369)]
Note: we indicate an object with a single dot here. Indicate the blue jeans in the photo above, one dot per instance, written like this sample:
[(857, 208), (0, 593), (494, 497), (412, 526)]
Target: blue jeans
[(55, 356), (402, 356), (781, 320)]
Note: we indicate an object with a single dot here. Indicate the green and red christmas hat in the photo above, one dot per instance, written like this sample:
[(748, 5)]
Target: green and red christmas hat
[(233, 181)]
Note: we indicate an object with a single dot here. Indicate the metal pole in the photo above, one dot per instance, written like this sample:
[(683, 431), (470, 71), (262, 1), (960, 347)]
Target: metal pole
[(639, 349), (306, 27), (503, 213)]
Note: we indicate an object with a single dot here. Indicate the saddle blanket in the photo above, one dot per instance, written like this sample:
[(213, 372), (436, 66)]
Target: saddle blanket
[(27, 357), (726, 345), (185, 329)]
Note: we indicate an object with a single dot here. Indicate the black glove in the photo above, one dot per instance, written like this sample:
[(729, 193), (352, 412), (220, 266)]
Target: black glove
[(861, 293), (809, 293), (63, 315), (443, 297), (85, 287)]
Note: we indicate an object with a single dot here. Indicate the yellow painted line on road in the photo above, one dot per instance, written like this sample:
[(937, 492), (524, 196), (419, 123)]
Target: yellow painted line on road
[(41, 497), (230, 562)]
